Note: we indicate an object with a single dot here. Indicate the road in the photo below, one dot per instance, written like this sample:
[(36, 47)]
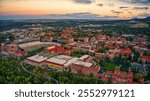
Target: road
[(36, 74)]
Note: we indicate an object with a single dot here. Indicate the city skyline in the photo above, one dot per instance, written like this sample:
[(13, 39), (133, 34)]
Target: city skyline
[(74, 9)]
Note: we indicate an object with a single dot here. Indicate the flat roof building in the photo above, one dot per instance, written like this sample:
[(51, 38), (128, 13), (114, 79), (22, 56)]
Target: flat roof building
[(36, 60), (85, 64), (86, 68), (61, 61)]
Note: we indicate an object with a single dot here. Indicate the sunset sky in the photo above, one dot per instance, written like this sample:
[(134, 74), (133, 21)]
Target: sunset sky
[(74, 9)]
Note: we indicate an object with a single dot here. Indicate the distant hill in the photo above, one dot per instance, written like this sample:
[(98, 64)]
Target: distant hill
[(147, 18), (142, 19)]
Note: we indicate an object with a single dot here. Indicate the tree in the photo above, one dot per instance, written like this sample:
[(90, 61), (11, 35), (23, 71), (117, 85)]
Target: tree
[(103, 49), (147, 76)]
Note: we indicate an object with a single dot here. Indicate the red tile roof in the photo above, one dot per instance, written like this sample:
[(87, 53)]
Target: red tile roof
[(145, 57), (21, 52)]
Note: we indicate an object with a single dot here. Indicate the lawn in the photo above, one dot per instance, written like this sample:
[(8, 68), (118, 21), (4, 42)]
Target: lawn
[(109, 66)]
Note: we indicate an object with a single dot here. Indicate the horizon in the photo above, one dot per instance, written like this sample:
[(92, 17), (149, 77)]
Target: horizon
[(74, 9)]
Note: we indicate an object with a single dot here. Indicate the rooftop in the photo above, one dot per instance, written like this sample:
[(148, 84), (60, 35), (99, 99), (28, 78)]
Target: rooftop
[(84, 57), (37, 58), (56, 60), (63, 60), (86, 64), (51, 47)]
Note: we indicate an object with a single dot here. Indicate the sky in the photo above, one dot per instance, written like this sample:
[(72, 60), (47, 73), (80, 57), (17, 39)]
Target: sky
[(74, 9)]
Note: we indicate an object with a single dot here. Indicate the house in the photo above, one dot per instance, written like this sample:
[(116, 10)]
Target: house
[(85, 48), (99, 55), (71, 40), (145, 59), (105, 78), (118, 44), (121, 77), (125, 51), (86, 39), (93, 39), (86, 58), (109, 45), (123, 40), (111, 54), (75, 47)]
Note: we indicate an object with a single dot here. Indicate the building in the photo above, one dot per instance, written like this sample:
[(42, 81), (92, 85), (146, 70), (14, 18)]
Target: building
[(19, 53), (123, 40), (84, 68), (46, 38), (36, 60), (111, 54), (99, 55), (71, 40), (121, 77), (13, 50), (145, 59), (86, 39), (10, 47), (55, 49), (125, 51), (110, 45), (86, 58), (85, 48), (75, 47), (61, 61)]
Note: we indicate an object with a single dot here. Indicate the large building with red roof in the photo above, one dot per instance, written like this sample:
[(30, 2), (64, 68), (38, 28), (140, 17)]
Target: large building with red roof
[(55, 49), (84, 68)]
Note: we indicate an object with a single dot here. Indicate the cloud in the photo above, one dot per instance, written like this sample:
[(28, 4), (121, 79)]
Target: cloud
[(116, 12), (141, 8), (130, 12), (84, 1), (100, 5), (85, 15), (111, 4), (136, 1), (143, 15), (123, 7)]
